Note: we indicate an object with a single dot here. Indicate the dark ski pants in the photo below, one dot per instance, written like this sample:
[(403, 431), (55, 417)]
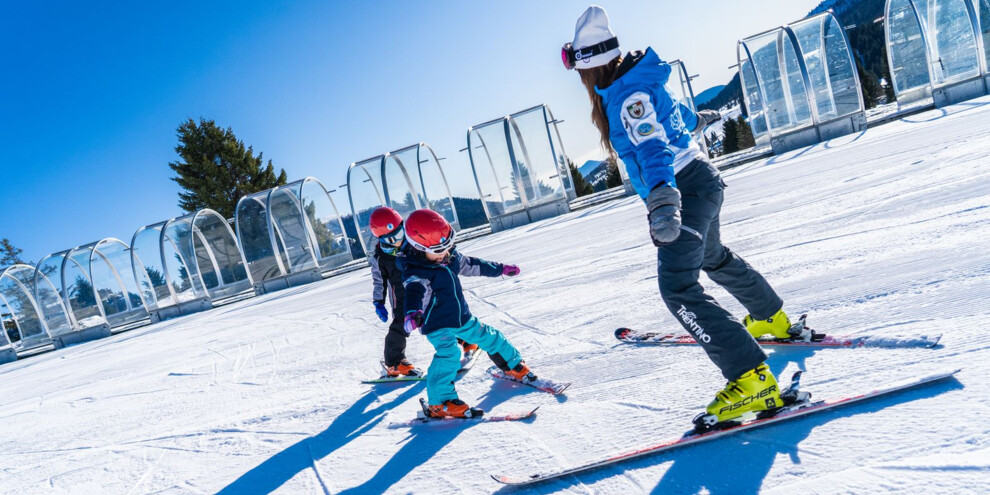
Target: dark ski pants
[(699, 247), (395, 339)]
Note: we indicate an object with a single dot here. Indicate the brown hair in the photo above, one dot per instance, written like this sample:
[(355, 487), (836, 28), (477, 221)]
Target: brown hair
[(602, 77)]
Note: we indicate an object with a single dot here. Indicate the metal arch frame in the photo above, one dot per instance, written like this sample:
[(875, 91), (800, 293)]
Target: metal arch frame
[(94, 251), (277, 254), (136, 263), (741, 44), (274, 229), (828, 18), (805, 76), (549, 119), (522, 145), (58, 297), (309, 227), (443, 176), (491, 164), (5, 272), (686, 87), (974, 22), (417, 204), (192, 272), (981, 44), (58, 291), (203, 213), (350, 194), (65, 290), (852, 62)]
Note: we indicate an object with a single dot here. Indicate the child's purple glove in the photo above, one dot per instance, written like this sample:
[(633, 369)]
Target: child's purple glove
[(381, 311), (413, 321), (510, 270)]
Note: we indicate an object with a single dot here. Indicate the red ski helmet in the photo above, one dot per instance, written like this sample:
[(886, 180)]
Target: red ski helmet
[(427, 230), (384, 221)]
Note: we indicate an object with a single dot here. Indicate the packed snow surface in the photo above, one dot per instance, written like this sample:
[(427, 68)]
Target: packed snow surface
[(881, 233)]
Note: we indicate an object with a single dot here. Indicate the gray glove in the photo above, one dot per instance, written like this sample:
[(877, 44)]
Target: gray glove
[(664, 205), (710, 116)]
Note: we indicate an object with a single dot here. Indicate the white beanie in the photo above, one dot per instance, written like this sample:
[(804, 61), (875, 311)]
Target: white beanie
[(591, 29)]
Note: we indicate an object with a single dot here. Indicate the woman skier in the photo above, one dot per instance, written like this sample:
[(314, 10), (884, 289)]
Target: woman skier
[(641, 123), (435, 306)]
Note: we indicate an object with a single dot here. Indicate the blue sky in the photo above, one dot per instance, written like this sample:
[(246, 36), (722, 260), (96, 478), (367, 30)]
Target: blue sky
[(92, 92)]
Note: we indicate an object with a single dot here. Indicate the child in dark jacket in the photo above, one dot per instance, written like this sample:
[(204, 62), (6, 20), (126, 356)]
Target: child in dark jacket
[(435, 306)]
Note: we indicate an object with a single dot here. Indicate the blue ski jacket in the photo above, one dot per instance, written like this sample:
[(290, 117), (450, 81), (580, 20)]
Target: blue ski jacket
[(435, 288), (648, 129)]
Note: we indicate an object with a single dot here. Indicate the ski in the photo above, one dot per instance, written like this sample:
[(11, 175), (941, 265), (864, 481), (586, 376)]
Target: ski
[(422, 418), (467, 362), (549, 386), (804, 337), (796, 410)]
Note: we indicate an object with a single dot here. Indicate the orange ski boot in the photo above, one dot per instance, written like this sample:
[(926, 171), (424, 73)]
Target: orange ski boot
[(454, 408), (404, 368)]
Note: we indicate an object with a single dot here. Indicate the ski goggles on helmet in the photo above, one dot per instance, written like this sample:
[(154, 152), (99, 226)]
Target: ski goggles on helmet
[(446, 242), (570, 57), (393, 240)]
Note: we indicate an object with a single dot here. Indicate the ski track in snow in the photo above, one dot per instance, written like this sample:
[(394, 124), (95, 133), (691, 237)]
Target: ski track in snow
[(883, 232)]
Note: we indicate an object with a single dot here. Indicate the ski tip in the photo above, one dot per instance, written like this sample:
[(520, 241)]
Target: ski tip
[(622, 332)]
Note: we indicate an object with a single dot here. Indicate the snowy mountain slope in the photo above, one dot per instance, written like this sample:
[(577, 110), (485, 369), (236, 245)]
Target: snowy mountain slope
[(883, 233)]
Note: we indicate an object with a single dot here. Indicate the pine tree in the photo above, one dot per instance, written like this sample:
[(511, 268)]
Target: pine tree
[(745, 139), (581, 186), (872, 92), (730, 136), (217, 169), (613, 178), (11, 255)]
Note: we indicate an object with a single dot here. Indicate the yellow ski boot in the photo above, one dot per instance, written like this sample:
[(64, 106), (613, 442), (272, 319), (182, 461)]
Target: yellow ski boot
[(753, 392), (776, 325)]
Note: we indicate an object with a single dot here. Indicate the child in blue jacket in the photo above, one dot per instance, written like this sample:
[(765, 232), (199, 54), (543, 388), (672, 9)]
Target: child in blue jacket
[(435, 306)]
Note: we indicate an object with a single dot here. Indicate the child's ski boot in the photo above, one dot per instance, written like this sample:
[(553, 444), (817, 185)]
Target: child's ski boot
[(753, 392), (404, 368), (778, 325), (521, 372), (454, 408)]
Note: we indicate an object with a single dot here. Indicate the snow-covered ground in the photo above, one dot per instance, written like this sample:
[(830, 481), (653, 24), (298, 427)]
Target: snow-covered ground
[(885, 232)]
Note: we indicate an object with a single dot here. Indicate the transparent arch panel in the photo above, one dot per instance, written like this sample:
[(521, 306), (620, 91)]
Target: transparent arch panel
[(906, 49), (340, 198), (291, 229), (401, 193), (80, 294), (535, 159), (489, 151), (49, 301), (329, 238), (433, 182), (830, 68), (218, 257), (253, 234), (364, 187), (753, 97), (775, 62), (23, 324), (983, 7), (954, 45), (679, 85), (179, 260), (117, 291), (149, 269)]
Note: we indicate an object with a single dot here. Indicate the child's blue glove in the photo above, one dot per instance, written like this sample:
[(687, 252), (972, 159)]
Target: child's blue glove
[(381, 311), (413, 322)]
